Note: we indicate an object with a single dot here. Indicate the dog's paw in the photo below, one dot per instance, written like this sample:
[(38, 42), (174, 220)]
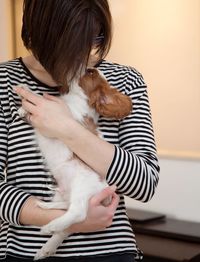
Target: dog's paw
[(52, 205), (55, 226), (44, 205), (39, 255), (45, 252)]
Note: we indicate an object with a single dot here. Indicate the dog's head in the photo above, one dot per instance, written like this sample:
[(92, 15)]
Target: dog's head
[(107, 101)]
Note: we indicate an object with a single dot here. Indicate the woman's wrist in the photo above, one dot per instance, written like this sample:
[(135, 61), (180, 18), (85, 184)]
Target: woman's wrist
[(32, 214), (69, 129)]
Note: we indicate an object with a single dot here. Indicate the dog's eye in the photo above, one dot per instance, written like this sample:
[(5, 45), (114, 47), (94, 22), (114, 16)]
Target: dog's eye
[(90, 71)]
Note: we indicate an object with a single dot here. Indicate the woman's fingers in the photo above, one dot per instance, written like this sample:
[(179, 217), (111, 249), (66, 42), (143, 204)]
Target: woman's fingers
[(29, 107), (114, 202), (100, 197), (108, 211), (28, 95)]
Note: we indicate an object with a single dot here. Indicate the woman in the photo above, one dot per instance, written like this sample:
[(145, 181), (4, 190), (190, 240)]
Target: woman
[(61, 36)]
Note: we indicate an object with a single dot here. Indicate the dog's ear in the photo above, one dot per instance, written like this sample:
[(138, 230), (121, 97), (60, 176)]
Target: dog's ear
[(109, 102)]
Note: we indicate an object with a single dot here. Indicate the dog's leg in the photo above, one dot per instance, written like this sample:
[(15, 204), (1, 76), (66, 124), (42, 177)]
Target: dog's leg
[(51, 246), (76, 213), (57, 202), (52, 205), (79, 200)]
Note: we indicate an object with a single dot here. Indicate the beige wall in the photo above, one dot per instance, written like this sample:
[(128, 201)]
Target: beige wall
[(6, 26), (18, 6), (161, 38)]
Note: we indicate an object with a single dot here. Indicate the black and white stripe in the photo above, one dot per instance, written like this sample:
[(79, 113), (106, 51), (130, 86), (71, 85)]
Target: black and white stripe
[(134, 168)]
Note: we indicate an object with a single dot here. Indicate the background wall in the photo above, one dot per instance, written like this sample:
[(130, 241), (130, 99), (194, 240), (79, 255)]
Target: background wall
[(6, 30), (161, 38)]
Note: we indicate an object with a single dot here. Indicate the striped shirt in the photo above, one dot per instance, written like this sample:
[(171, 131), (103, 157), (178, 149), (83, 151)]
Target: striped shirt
[(134, 168)]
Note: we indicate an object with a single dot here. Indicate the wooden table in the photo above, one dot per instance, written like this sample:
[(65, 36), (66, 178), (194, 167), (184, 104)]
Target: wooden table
[(163, 239)]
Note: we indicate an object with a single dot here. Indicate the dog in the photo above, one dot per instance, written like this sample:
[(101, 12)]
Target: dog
[(88, 97)]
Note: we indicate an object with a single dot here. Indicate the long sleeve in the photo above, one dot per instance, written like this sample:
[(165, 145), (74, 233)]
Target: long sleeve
[(11, 198), (134, 169), (26, 174)]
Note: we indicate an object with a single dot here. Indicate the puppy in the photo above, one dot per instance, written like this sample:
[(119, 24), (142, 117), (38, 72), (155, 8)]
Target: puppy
[(87, 98)]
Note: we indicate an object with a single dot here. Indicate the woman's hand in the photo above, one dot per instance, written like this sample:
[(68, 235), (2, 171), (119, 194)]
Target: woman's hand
[(98, 217), (49, 114)]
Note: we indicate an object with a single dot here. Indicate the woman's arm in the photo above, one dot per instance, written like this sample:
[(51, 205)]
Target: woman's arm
[(32, 214), (11, 198), (52, 117), (98, 216)]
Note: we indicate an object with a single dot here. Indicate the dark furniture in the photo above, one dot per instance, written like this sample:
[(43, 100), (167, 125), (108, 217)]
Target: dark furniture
[(165, 240)]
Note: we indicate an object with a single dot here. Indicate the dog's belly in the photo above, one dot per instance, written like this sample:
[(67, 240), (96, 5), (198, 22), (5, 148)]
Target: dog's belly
[(54, 151)]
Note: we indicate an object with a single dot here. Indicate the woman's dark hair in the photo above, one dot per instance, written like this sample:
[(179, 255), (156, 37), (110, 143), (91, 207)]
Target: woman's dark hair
[(61, 33)]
